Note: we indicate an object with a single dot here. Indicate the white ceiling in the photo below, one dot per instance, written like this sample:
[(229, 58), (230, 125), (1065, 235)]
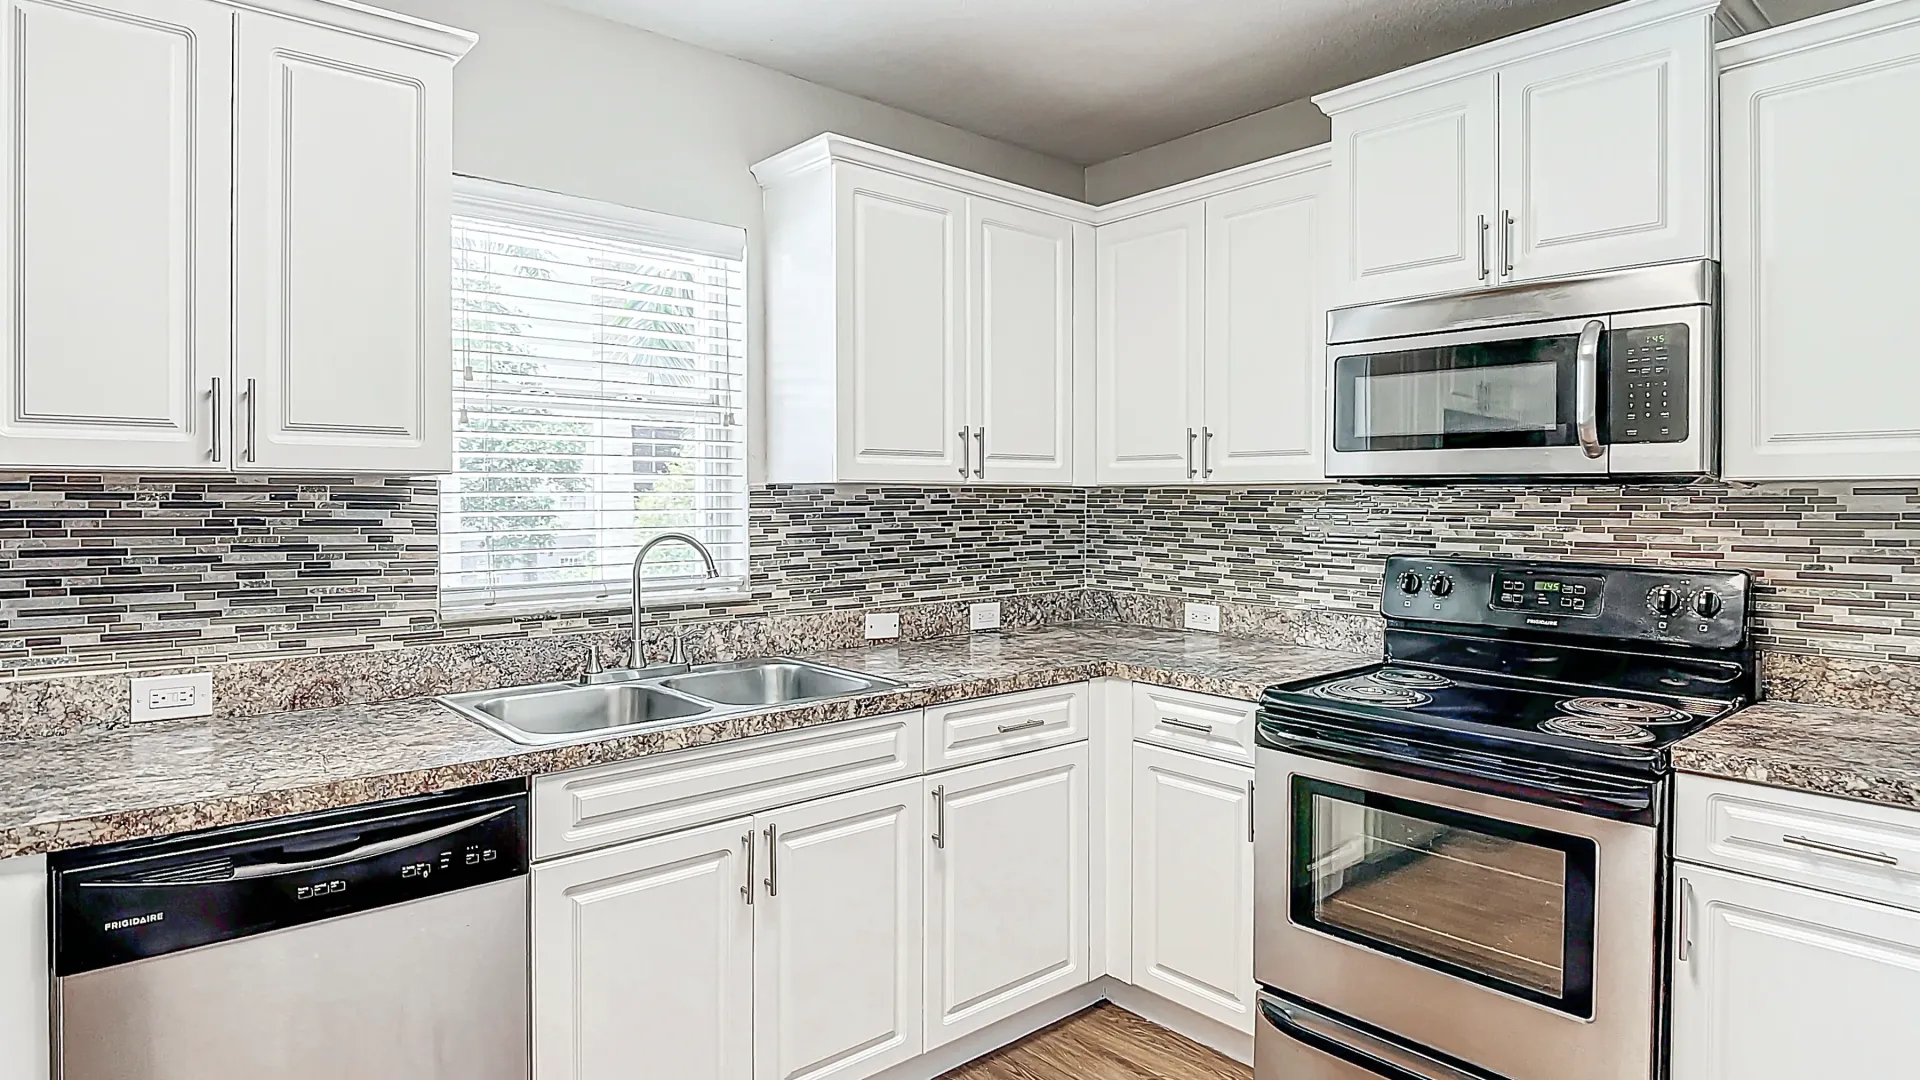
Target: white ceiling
[(1084, 80)]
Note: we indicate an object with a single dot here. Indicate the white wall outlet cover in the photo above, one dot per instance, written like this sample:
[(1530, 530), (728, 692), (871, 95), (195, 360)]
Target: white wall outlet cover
[(883, 625), (984, 616), (1203, 617), (169, 697)]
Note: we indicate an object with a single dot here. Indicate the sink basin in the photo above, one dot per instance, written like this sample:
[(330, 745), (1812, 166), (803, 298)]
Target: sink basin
[(770, 682), (561, 713)]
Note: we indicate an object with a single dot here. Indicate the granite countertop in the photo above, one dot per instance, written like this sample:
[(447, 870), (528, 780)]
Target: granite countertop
[(1852, 753), (107, 785)]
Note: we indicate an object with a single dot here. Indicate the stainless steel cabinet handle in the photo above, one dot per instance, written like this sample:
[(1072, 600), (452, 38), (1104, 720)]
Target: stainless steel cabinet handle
[(1586, 388), (773, 861), (1880, 857), (253, 394), (1206, 452), (1249, 811), (1506, 243), (1184, 725), (1022, 725), (940, 816), (966, 449), (214, 396), (980, 457), (1686, 920), (1191, 435), (746, 890), (1485, 270)]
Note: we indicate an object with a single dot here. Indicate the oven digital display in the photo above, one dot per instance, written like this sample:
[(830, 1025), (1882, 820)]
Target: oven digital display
[(1576, 595)]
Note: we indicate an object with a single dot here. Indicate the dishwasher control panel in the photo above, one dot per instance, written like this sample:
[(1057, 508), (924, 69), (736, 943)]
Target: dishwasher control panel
[(132, 901)]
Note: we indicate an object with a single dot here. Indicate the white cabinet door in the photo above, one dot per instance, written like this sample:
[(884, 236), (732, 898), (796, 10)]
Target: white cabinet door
[(343, 172), (1266, 332), (1193, 883), (643, 960), (1414, 180), (1783, 983), (1822, 249), (901, 294), (116, 318), (837, 936), (1606, 153), (1149, 346), (1020, 332), (1006, 888)]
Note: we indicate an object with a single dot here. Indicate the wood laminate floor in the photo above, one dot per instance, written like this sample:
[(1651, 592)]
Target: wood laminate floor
[(1105, 1042)]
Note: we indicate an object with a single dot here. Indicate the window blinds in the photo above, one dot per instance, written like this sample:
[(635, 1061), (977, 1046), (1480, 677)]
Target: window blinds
[(600, 399)]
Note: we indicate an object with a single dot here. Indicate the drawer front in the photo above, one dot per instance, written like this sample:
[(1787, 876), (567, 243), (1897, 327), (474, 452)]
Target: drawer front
[(970, 731), (606, 804), (1835, 845), (1197, 723)]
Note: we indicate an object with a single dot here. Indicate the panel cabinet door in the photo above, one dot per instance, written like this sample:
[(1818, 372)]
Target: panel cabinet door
[(643, 960), (117, 232), (1822, 249), (902, 272), (1414, 180), (1006, 888), (837, 935), (1784, 983), (1150, 344), (343, 174), (1020, 333), (1266, 332), (1606, 153), (1193, 883)]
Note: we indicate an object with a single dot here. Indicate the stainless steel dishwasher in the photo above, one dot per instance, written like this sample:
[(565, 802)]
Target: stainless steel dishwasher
[(385, 942)]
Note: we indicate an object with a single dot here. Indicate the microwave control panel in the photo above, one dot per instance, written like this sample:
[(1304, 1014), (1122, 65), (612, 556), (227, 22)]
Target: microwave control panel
[(1647, 369)]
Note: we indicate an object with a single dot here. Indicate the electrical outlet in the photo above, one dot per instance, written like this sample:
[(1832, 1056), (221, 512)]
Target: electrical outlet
[(1203, 617), (882, 626), (984, 616), (170, 697)]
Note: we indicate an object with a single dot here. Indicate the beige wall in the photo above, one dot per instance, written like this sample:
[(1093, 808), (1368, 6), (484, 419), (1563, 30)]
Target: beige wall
[(1265, 134)]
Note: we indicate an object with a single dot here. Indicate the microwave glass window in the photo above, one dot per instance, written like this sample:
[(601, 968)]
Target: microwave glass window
[(1517, 393), (1490, 902)]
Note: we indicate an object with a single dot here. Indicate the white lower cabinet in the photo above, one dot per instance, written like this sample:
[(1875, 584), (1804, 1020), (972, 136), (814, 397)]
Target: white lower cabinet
[(1193, 883), (1006, 888), (1780, 982)]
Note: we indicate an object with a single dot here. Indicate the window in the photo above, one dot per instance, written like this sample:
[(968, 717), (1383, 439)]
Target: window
[(600, 397)]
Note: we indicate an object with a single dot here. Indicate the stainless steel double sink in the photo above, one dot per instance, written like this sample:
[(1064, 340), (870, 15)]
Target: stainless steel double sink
[(547, 713)]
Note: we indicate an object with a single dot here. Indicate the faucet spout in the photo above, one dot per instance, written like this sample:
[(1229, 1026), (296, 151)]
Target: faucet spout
[(636, 650)]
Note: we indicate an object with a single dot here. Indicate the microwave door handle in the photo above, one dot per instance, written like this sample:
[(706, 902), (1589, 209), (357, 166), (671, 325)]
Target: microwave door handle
[(1354, 1046), (1586, 388)]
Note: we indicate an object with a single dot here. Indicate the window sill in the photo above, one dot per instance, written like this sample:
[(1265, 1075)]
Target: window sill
[(664, 600)]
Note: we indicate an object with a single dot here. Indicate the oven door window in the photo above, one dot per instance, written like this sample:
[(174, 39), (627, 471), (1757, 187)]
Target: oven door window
[(1517, 393), (1498, 904)]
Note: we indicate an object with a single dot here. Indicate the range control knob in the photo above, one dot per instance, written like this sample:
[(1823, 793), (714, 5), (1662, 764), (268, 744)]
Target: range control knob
[(1441, 584), (1410, 583), (1707, 605), (1664, 600)]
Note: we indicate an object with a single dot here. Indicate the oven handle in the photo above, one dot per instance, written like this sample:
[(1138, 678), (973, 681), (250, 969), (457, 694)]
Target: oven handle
[(1357, 1047), (1586, 388)]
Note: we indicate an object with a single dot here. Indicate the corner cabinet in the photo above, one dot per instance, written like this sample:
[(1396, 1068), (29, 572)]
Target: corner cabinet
[(923, 324), (265, 187), (1585, 145), (1822, 247)]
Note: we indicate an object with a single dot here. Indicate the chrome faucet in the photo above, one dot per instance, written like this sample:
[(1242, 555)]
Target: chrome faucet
[(636, 651)]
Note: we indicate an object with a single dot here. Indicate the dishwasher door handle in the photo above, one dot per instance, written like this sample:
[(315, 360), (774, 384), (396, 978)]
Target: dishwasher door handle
[(374, 850)]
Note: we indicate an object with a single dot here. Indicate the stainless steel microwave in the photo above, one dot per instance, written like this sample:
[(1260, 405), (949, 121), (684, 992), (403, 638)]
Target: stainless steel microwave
[(1607, 375)]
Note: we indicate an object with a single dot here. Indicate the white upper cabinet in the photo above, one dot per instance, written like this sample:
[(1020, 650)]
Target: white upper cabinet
[(1585, 145), (1150, 343), (116, 318), (1822, 247), (1020, 339), (343, 165)]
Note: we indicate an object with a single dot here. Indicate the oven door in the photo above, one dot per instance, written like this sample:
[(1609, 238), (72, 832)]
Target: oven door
[(1504, 401), (1517, 937)]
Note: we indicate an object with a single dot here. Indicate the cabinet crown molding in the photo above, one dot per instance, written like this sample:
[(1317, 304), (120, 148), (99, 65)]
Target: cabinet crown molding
[(369, 22), (1821, 30), (1568, 33), (1206, 187), (827, 148)]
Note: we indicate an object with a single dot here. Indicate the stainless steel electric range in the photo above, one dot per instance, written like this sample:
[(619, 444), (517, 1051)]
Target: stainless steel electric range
[(1459, 856)]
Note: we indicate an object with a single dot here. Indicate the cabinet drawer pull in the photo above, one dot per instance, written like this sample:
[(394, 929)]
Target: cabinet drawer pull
[(747, 889), (773, 861), (1184, 725), (1880, 857), (1007, 729), (215, 425), (940, 816)]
